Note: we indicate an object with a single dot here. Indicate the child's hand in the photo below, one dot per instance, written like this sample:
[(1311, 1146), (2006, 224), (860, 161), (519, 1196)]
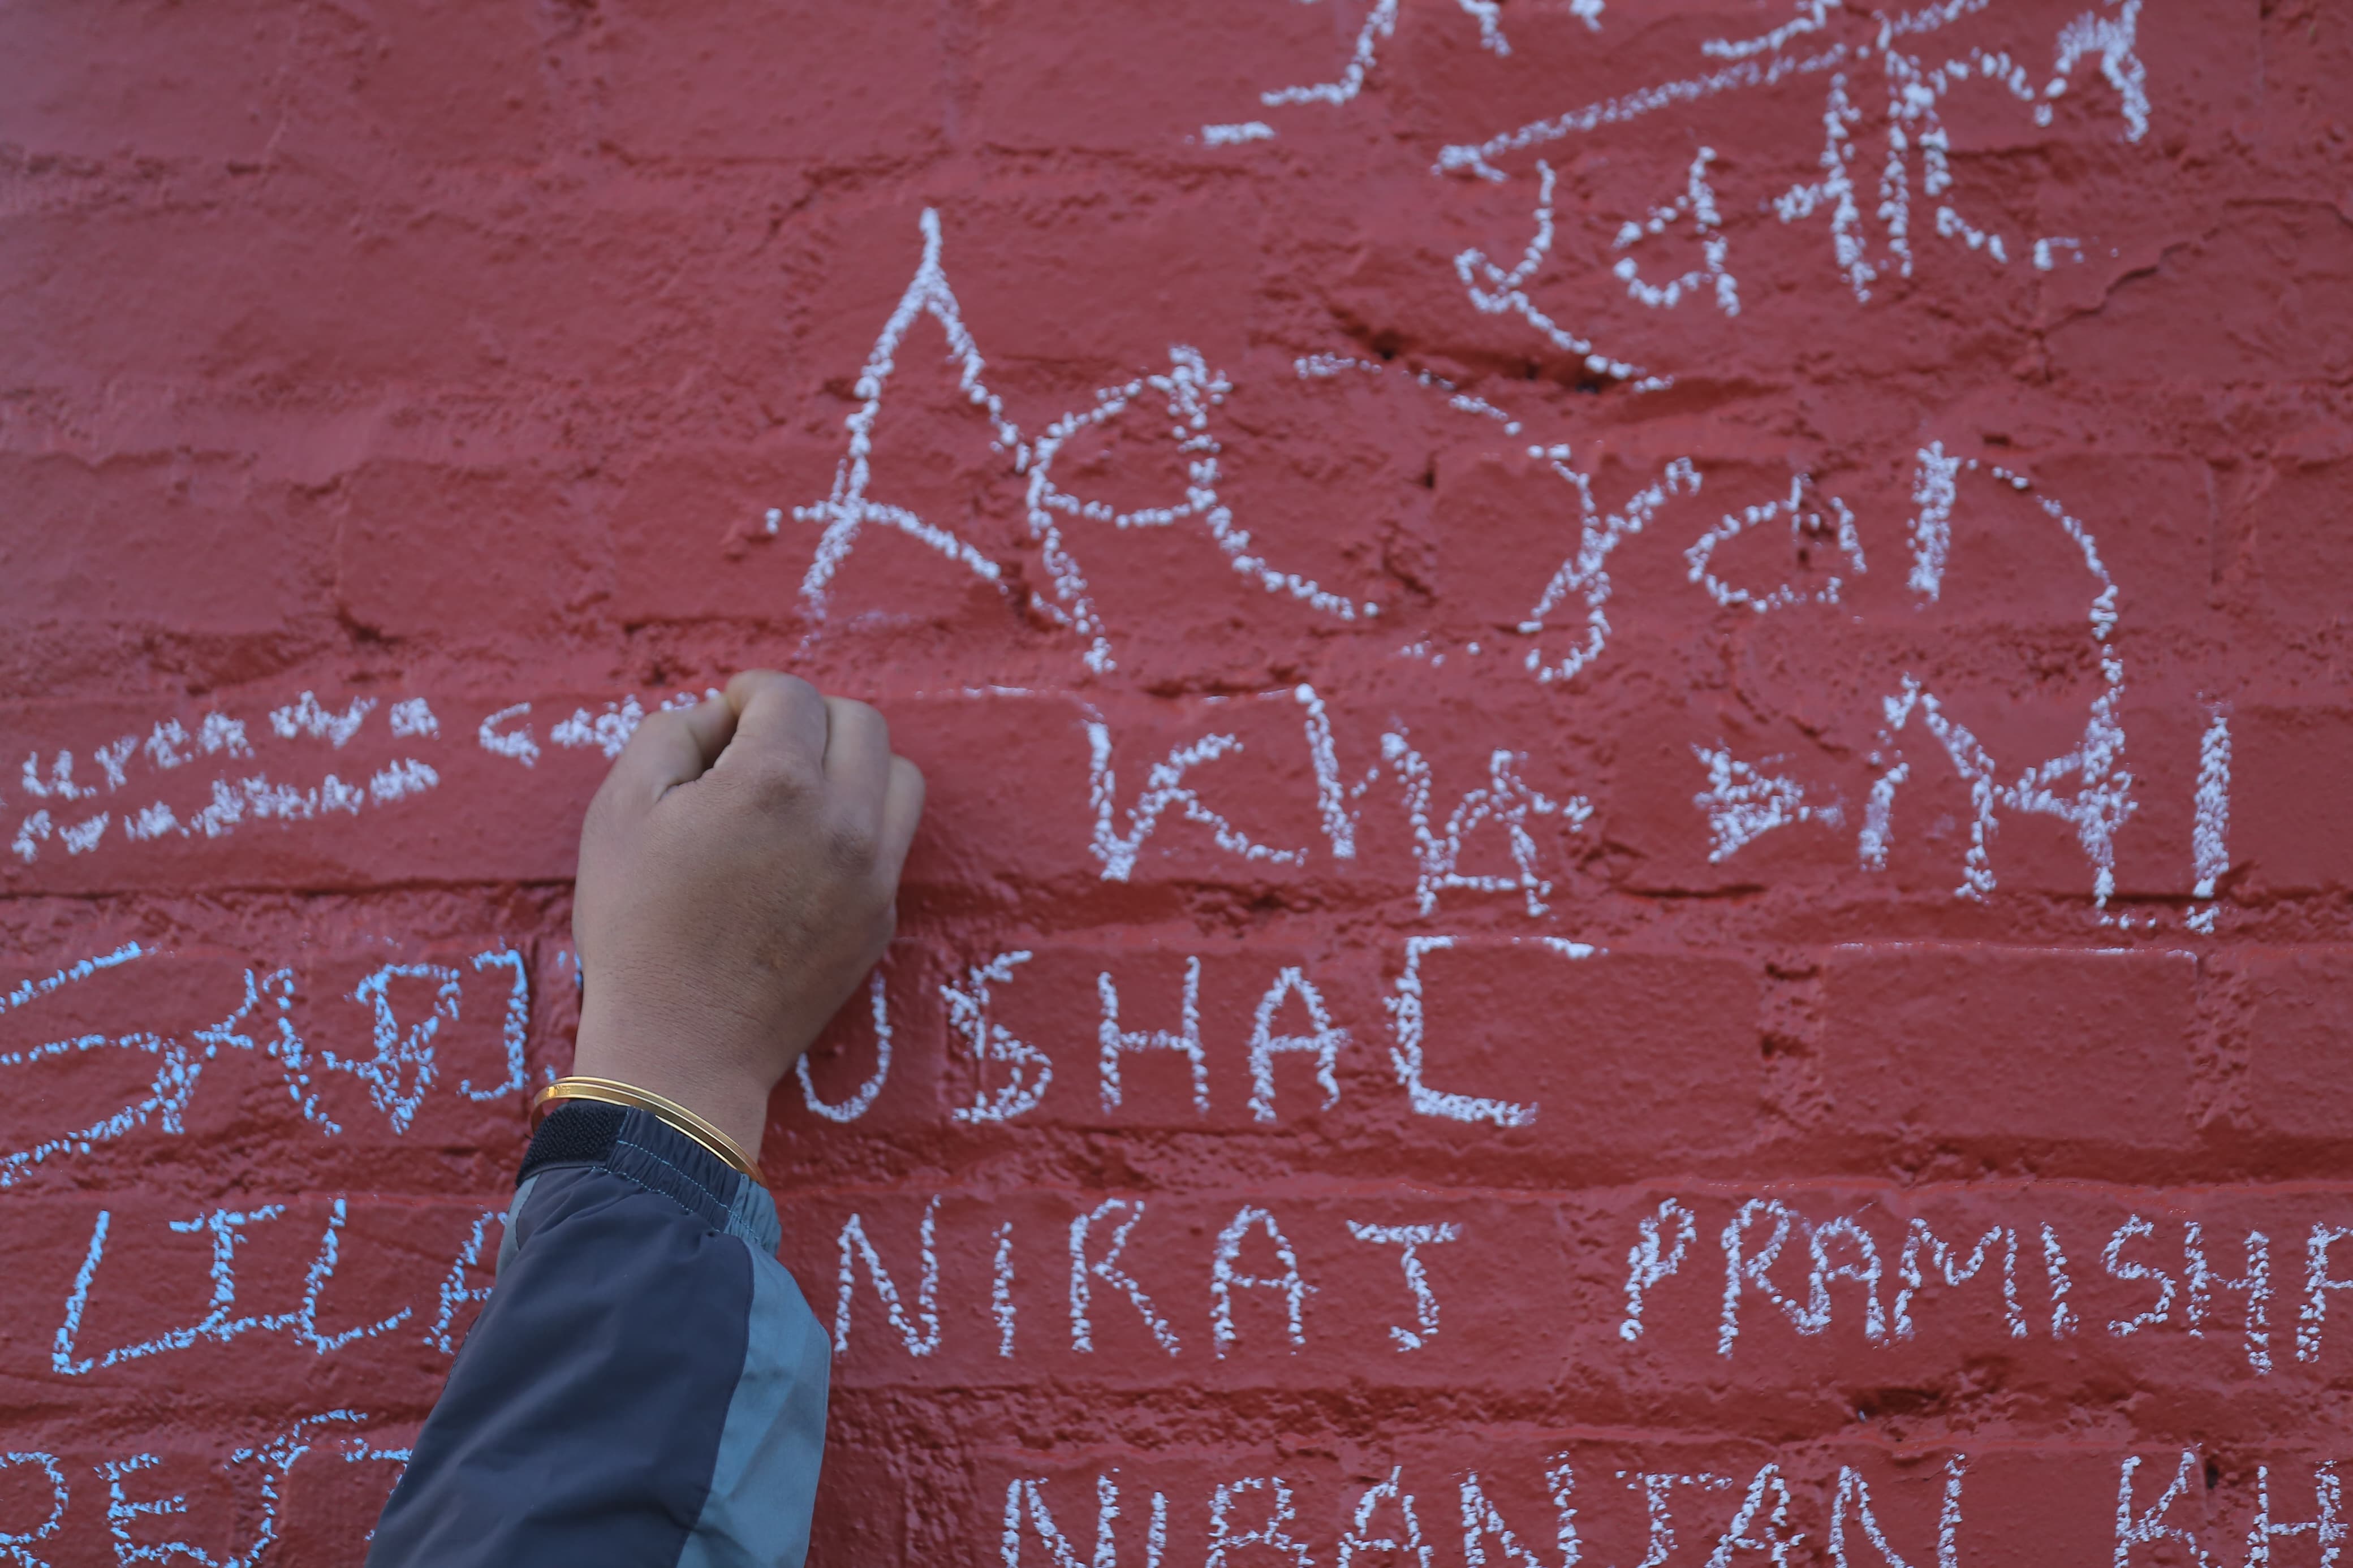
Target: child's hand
[(737, 873)]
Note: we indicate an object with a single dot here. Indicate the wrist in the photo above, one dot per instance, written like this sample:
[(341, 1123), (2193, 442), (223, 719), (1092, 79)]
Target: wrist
[(673, 1118), (730, 1097)]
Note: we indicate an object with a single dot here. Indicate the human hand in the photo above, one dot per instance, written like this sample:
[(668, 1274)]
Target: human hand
[(738, 870)]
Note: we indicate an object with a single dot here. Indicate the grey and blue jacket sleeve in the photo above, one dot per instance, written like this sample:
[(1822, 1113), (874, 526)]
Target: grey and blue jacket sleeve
[(645, 1385)]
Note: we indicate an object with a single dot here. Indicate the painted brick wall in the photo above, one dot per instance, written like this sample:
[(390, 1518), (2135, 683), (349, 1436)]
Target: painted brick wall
[(1637, 711)]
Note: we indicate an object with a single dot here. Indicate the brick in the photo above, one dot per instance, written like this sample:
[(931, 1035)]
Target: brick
[(1049, 998), (1804, 756), (708, 84), (936, 454), (2284, 764), (186, 1060), (335, 1499), (2148, 517), (687, 526), (313, 1483), (861, 1514), (1055, 1003), (849, 1085), (1357, 1288), (2010, 1050), (167, 84), (2014, 1501), (1581, 1048), (520, 819), (1471, 812), (1259, 780), (241, 553), (2300, 1001), (1073, 77), (434, 1054), (1490, 1316), (2155, 517), (488, 102), (143, 1324), (1489, 1009), (100, 1053), (1782, 1297), (421, 550), (1686, 831), (2255, 271), (1933, 824), (1530, 524), (2156, 846), (2292, 522), (1156, 271), (983, 825), (377, 322), (391, 815), (458, 291)]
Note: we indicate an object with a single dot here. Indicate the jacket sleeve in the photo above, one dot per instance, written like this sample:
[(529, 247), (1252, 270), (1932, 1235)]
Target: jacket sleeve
[(645, 1384)]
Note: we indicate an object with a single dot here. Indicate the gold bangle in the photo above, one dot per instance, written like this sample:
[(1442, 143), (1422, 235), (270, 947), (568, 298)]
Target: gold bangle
[(611, 1092)]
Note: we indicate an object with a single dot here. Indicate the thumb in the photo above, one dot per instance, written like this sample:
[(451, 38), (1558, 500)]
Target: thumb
[(669, 749)]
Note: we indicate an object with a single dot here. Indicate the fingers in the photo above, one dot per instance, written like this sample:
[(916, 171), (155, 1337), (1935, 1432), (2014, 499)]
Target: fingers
[(783, 721), (780, 721), (710, 722), (903, 807), (670, 749), (869, 782), (857, 750)]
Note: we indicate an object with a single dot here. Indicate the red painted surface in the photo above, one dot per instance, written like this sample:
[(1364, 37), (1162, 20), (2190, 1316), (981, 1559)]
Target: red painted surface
[(373, 372)]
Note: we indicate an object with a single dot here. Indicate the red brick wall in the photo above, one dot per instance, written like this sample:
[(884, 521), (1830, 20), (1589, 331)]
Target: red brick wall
[(1586, 689)]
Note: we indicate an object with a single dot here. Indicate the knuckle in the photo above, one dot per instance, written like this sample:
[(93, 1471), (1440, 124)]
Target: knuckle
[(791, 688), (648, 742), (655, 725)]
